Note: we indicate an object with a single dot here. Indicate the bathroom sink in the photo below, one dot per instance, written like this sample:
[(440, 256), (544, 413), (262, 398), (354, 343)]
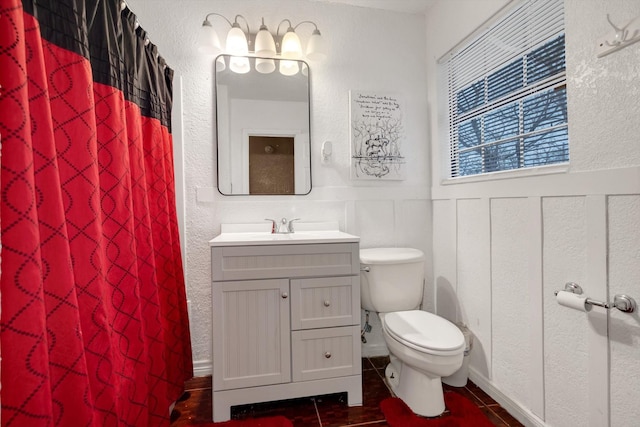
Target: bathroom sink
[(260, 234)]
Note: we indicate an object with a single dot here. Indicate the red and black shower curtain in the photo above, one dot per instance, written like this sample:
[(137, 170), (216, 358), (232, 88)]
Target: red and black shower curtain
[(94, 328)]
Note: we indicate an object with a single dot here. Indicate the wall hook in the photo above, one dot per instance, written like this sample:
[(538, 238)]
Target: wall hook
[(620, 38), (620, 35)]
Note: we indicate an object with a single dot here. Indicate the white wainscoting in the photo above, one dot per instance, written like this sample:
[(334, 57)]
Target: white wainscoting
[(501, 248)]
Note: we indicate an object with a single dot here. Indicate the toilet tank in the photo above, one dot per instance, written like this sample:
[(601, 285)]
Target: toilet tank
[(394, 280)]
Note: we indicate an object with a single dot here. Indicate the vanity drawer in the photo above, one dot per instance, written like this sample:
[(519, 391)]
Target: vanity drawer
[(280, 261), (325, 353), (325, 302)]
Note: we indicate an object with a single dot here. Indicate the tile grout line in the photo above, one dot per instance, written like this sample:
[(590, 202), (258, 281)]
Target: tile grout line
[(315, 405), (477, 397), (366, 423), (489, 407), (382, 377), (386, 384), (371, 364), (198, 389), (497, 415)]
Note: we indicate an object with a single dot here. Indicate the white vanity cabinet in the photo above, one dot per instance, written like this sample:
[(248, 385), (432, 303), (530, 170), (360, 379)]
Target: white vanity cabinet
[(286, 322)]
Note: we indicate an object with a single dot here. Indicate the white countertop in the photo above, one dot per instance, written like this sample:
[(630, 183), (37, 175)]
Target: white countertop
[(260, 234)]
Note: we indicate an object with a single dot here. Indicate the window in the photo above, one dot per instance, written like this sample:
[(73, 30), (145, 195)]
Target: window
[(507, 96)]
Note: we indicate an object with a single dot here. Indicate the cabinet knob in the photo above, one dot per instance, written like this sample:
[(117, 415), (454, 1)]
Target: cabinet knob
[(285, 295), (327, 355), (327, 303)]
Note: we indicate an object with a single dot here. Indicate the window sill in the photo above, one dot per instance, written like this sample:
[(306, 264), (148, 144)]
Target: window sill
[(510, 174)]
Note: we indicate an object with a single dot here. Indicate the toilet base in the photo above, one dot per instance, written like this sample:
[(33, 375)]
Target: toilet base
[(421, 392)]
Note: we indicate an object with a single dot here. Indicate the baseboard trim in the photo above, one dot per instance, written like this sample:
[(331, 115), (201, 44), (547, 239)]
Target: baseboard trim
[(374, 350), (518, 411), (202, 368)]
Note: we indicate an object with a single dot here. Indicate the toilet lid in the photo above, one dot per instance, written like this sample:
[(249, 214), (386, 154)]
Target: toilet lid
[(424, 331)]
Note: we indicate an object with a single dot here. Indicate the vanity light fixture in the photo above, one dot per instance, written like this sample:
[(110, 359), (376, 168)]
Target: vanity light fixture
[(240, 43)]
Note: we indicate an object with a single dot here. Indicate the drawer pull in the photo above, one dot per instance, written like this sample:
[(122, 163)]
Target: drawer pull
[(327, 303), (285, 295), (327, 355)]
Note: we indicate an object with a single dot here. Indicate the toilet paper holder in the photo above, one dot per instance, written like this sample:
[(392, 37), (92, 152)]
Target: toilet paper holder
[(622, 302)]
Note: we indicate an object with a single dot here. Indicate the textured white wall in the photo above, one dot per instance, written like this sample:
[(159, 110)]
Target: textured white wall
[(603, 92), (370, 50), (547, 364)]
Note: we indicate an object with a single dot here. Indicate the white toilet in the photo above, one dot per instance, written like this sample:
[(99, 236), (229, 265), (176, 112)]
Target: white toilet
[(423, 347)]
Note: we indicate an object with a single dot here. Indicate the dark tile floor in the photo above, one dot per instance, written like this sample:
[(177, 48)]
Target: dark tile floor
[(194, 406)]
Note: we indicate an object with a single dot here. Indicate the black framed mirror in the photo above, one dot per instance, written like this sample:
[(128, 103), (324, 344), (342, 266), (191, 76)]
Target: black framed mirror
[(263, 126)]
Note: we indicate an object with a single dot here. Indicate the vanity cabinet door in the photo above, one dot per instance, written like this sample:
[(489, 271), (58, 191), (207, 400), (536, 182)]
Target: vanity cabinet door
[(251, 333)]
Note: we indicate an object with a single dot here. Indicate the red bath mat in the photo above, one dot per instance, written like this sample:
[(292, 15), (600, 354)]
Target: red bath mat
[(277, 421), (463, 413)]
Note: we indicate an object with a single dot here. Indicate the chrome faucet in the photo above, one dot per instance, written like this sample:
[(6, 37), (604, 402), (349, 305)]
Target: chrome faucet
[(290, 225), (274, 228), (285, 227)]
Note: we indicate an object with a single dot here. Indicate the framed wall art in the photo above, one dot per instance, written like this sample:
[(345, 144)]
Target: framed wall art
[(377, 135)]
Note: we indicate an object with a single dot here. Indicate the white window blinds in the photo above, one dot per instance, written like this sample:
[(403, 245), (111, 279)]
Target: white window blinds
[(507, 93)]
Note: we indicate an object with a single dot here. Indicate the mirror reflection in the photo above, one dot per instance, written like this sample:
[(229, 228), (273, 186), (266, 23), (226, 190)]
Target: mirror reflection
[(262, 109)]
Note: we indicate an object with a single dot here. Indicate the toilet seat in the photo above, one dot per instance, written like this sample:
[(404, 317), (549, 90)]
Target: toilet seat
[(424, 332)]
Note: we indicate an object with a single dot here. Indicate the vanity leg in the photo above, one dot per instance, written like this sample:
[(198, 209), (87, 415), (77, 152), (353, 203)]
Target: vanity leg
[(221, 409), (354, 392)]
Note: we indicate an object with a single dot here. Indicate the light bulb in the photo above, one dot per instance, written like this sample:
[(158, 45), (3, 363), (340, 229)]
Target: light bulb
[(208, 41), (291, 48), (237, 41), (264, 46), (317, 47)]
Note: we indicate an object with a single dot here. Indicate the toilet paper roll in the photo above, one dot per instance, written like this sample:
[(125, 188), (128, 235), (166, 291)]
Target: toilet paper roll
[(571, 300)]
